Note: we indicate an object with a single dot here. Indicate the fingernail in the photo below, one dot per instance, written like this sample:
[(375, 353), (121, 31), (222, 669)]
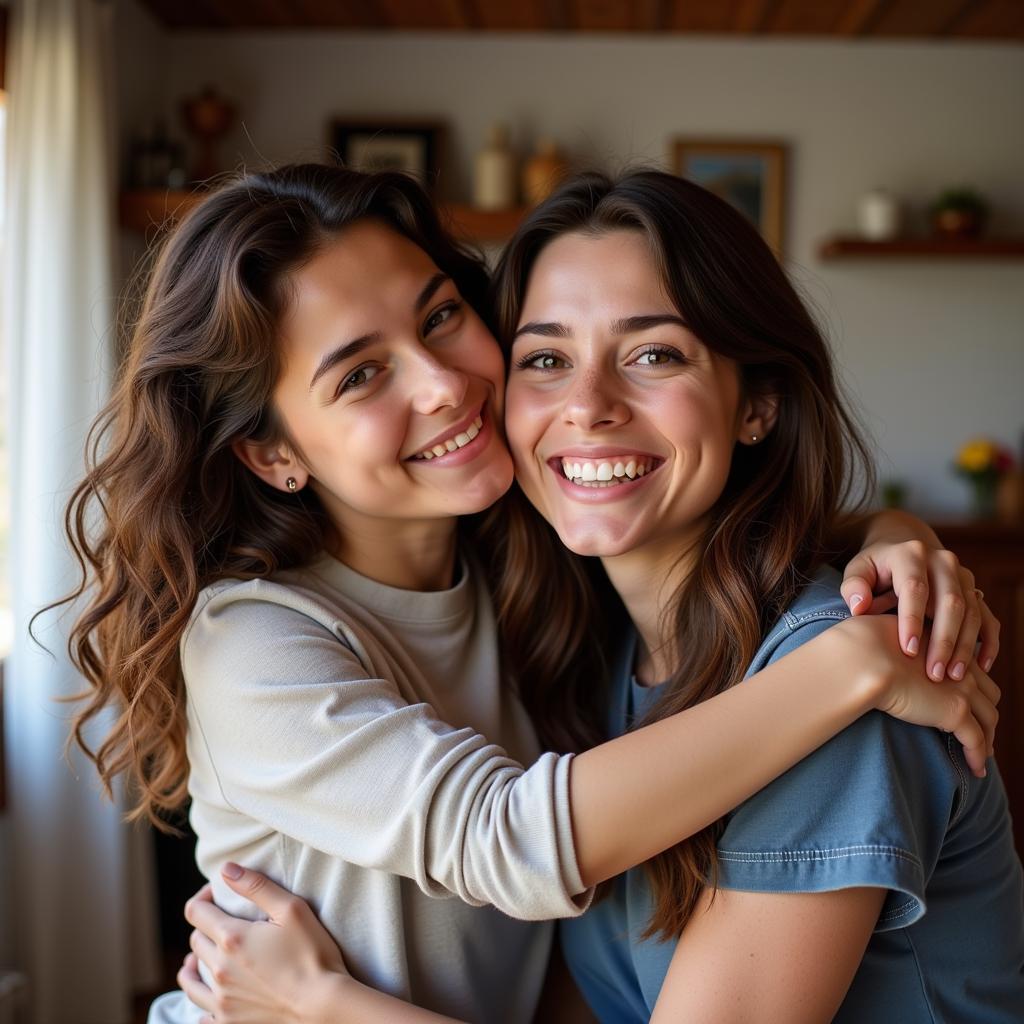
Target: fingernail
[(938, 671), (988, 664), (231, 870), (983, 774), (912, 645), (854, 601), (957, 672)]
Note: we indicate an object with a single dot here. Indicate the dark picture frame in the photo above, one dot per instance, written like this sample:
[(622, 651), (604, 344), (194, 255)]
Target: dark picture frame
[(748, 174), (410, 146)]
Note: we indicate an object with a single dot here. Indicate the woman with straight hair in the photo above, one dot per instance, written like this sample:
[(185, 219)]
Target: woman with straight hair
[(647, 324), (293, 621)]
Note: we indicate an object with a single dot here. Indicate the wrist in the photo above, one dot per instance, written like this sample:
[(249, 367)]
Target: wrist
[(891, 526), (326, 1000), (865, 679)]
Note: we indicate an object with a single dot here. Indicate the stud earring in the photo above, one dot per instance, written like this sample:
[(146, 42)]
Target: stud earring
[(753, 437), (291, 483)]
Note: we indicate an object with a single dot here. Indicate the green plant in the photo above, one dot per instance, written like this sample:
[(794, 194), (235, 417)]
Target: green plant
[(962, 200)]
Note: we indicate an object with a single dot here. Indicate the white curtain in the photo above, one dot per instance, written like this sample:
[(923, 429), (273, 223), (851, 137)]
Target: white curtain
[(77, 867)]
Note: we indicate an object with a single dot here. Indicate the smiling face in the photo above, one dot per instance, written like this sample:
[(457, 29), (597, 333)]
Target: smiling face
[(621, 421), (390, 388)]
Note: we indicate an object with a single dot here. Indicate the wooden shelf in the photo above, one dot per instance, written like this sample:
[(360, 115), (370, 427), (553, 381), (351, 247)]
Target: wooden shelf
[(147, 210), (483, 225), (840, 247)]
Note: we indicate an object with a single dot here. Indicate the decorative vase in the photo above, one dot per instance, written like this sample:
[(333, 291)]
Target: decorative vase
[(543, 172), (494, 183), (983, 495), (951, 223), (207, 117), (878, 215)]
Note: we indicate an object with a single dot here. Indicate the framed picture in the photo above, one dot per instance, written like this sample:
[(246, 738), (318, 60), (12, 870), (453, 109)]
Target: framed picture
[(749, 175), (412, 147)]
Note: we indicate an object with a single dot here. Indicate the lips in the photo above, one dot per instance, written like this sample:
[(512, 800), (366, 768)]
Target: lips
[(454, 437)]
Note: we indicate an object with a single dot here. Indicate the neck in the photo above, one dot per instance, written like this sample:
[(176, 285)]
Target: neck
[(410, 555), (646, 580)]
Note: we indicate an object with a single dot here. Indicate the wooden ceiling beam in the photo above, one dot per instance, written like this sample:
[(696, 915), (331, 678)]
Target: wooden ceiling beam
[(860, 17), (753, 16), (957, 17)]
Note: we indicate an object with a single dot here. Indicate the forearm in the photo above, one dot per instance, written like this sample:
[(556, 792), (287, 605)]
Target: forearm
[(339, 999), (643, 792), (852, 532)]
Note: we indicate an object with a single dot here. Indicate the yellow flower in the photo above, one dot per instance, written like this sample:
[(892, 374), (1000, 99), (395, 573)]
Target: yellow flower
[(976, 456)]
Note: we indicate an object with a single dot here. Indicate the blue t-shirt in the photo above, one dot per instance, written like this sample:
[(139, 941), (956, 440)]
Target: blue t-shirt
[(881, 804)]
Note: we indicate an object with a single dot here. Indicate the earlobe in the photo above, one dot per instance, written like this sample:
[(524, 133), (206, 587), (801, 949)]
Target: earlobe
[(273, 464), (758, 419)]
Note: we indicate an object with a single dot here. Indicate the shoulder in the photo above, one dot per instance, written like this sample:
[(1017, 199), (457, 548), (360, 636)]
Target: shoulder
[(818, 606), (264, 622)]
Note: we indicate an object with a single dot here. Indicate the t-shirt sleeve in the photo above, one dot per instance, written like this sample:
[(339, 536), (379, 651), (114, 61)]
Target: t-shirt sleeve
[(869, 808), (301, 737)]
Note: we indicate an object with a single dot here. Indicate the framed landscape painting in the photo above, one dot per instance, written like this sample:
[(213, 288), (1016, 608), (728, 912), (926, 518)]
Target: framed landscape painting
[(749, 175)]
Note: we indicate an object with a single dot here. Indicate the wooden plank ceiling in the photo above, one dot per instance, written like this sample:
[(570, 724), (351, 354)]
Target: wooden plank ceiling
[(875, 19)]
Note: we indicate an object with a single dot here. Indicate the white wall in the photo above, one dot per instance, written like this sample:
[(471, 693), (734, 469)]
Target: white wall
[(934, 352)]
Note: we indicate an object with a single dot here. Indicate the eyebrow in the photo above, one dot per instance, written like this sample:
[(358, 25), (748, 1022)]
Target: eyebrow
[(341, 353), (627, 325), (354, 347)]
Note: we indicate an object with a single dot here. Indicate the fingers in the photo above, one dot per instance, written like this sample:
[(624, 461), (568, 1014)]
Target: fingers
[(984, 699), (949, 608), (969, 731), (972, 717), (910, 582), (275, 902), (963, 652), (206, 917), (193, 985), (859, 581), (989, 637)]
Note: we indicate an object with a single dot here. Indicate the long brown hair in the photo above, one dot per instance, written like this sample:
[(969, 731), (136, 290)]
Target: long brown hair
[(166, 508), (769, 528)]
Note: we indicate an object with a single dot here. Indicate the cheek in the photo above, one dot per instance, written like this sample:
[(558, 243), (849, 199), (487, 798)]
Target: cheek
[(526, 416)]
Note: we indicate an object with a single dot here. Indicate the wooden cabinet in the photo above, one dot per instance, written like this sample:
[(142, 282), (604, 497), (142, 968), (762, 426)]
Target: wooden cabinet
[(994, 552)]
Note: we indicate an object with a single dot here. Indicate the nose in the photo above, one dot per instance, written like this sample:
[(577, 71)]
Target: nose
[(594, 400), (435, 384)]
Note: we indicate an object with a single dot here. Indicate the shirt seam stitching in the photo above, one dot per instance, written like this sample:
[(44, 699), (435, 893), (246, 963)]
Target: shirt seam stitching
[(806, 856)]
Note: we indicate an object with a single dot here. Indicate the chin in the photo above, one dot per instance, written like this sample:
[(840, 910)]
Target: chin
[(596, 543), (482, 492)]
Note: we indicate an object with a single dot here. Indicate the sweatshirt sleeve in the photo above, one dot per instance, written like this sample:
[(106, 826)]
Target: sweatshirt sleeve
[(301, 737)]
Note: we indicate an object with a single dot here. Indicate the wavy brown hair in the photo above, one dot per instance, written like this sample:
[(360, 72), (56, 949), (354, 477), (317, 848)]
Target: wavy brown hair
[(767, 532), (166, 508)]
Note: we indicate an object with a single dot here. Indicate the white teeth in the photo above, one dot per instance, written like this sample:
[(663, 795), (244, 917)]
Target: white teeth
[(460, 440), (605, 474)]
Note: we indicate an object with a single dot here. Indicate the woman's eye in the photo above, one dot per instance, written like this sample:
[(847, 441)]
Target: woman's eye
[(358, 378), (440, 316), (658, 357), (541, 361)]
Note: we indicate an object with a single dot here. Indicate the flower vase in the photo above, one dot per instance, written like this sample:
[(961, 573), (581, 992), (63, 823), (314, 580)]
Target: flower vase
[(983, 496)]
